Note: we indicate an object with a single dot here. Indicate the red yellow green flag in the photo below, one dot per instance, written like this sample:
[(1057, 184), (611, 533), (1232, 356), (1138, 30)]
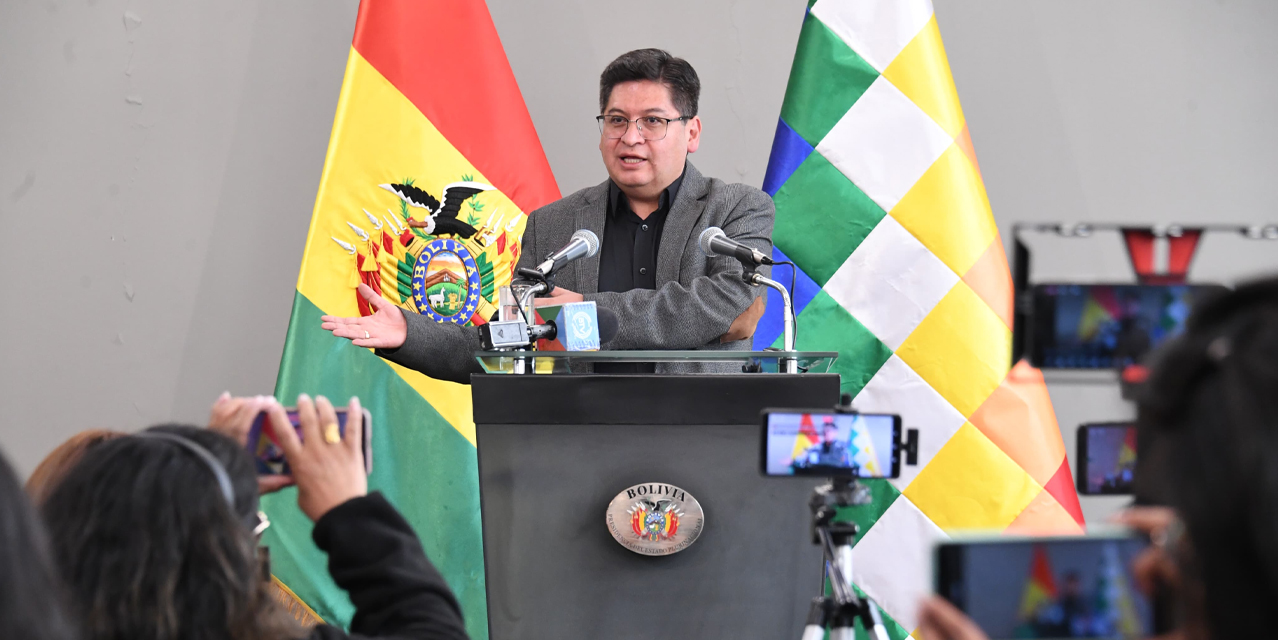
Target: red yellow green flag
[(432, 167), (1040, 589)]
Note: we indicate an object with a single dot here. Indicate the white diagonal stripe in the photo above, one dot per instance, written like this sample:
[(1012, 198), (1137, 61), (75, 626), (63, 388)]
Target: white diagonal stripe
[(891, 282), (896, 388), (892, 563), (884, 143), (877, 30)]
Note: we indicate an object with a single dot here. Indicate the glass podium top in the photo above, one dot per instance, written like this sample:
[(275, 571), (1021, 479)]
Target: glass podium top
[(560, 361)]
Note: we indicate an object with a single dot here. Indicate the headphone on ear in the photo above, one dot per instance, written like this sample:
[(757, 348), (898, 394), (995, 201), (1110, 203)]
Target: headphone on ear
[(214, 465)]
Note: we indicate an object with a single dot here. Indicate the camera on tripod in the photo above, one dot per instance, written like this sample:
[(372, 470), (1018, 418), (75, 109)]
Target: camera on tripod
[(844, 446)]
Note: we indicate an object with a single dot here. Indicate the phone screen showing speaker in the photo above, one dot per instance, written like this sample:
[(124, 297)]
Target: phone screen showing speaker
[(813, 443), (1104, 326), (269, 458), (1080, 587), (1106, 456)]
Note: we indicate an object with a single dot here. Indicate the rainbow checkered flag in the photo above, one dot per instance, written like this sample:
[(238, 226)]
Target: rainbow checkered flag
[(901, 270)]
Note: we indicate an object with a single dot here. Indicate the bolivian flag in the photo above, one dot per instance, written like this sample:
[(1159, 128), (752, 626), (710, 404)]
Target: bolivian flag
[(432, 167), (1040, 588)]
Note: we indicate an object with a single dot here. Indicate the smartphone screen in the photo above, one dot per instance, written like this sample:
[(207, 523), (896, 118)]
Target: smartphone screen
[(269, 458), (1106, 458), (827, 444), (1105, 326), (1080, 587)]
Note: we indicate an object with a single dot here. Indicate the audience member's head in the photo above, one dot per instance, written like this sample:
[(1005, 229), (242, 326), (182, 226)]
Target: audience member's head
[(55, 466), (31, 600), (1208, 420), (154, 537)]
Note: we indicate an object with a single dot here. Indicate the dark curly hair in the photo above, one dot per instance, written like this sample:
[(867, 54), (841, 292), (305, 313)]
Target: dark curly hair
[(1208, 440), (151, 549)]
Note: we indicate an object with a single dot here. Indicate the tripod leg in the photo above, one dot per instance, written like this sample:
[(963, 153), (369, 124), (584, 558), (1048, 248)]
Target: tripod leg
[(818, 617), (872, 620), (843, 622)]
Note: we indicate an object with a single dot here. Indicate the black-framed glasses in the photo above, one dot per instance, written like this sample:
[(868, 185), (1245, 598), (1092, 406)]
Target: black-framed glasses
[(650, 127)]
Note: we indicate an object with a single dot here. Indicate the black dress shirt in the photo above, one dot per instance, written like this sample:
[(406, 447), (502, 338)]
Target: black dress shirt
[(628, 257)]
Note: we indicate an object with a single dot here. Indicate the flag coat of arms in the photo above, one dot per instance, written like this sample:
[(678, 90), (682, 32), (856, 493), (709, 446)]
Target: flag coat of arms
[(881, 205), (431, 169)]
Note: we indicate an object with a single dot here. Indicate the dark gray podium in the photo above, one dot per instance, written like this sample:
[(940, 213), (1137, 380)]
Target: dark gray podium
[(555, 449)]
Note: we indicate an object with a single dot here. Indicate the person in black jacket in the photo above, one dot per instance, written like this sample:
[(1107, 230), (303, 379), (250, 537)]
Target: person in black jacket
[(155, 534)]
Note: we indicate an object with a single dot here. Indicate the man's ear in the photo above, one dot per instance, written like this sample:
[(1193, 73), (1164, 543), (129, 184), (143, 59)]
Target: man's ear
[(694, 134)]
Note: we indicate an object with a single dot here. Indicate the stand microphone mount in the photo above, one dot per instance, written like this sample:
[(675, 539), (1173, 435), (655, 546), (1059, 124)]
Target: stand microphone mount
[(752, 277), (516, 306)]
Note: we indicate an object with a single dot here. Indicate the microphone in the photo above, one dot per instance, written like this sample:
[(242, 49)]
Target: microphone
[(714, 242), (514, 333), (584, 244), (609, 324)]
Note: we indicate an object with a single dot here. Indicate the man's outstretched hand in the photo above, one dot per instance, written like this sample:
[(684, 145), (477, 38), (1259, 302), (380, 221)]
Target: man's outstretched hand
[(385, 329)]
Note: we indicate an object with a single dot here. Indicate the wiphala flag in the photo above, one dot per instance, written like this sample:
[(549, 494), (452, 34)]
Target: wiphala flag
[(881, 205)]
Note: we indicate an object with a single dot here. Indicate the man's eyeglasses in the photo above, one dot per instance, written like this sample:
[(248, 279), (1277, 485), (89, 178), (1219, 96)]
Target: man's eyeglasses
[(650, 127)]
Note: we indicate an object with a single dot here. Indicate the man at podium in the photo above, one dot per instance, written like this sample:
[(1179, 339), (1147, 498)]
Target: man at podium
[(828, 453), (649, 271)]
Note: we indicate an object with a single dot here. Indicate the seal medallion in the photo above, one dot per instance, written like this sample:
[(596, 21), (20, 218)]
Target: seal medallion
[(447, 278), (655, 519)]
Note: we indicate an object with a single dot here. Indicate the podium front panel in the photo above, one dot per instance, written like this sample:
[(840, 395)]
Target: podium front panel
[(555, 450)]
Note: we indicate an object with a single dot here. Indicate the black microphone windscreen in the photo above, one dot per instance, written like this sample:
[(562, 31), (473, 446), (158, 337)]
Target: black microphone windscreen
[(608, 324)]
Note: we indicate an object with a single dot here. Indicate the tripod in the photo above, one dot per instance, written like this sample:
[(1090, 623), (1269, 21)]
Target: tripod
[(838, 612)]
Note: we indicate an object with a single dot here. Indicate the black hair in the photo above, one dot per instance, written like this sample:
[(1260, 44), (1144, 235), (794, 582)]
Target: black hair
[(1208, 424), (32, 601), (152, 550), (658, 66)]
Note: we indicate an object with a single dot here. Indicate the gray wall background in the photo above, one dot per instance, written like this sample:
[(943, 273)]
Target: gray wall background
[(159, 160)]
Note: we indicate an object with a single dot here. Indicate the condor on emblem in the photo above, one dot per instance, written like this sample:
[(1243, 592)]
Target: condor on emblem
[(655, 519)]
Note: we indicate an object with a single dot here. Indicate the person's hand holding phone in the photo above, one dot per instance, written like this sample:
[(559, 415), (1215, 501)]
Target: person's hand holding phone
[(233, 417), (327, 467)]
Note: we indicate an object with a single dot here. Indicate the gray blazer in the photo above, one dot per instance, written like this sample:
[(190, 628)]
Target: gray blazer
[(695, 301)]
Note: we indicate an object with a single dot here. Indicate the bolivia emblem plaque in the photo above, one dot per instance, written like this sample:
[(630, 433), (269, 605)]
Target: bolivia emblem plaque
[(655, 519)]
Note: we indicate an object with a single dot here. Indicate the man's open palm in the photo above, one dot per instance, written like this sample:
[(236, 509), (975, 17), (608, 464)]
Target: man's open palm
[(385, 329)]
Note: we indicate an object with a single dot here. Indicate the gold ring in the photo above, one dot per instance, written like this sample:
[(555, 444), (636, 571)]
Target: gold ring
[(332, 434)]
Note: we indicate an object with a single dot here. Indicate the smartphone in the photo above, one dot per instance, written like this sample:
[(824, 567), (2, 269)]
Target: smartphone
[(1105, 458), (269, 458), (799, 442), (1075, 587), (1106, 326)]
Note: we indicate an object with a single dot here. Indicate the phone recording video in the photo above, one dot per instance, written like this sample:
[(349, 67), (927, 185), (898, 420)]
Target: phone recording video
[(269, 458), (1106, 458), (827, 444), (1102, 326), (1080, 587)]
